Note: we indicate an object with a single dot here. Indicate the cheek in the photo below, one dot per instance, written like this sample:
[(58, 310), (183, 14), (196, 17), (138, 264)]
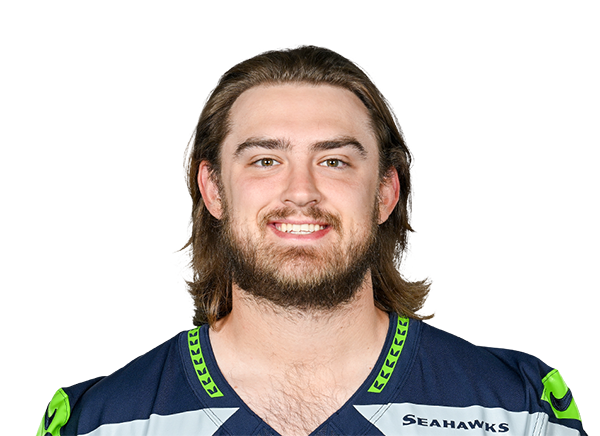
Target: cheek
[(249, 197), (358, 205)]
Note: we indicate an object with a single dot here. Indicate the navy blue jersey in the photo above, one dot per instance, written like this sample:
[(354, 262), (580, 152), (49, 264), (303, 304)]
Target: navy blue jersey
[(425, 382)]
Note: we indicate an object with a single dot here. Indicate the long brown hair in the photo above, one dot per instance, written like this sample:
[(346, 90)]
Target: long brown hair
[(211, 284)]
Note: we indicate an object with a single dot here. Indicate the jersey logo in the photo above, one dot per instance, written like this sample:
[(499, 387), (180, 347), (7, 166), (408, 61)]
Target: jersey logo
[(392, 357), (200, 365), (559, 396), (561, 404), (409, 419), (51, 424), (48, 419)]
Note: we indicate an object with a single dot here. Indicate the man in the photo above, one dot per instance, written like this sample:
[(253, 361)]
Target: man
[(300, 183)]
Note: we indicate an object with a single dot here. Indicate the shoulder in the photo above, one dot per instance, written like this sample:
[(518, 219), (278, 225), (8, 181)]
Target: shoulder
[(152, 383), (455, 373), (448, 354), (479, 369)]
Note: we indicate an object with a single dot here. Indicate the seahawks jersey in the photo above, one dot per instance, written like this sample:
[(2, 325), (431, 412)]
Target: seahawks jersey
[(425, 382)]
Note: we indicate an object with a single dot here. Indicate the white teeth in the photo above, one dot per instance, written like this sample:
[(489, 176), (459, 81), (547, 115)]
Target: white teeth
[(298, 229)]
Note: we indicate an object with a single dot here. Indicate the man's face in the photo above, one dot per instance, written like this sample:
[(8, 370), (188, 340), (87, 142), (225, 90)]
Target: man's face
[(299, 194)]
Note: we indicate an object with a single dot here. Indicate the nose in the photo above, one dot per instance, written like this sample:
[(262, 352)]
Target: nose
[(300, 187)]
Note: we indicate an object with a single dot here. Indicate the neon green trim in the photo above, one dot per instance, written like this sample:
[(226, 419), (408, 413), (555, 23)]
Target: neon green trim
[(56, 416), (392, 357), (555, 386), (200, 366)]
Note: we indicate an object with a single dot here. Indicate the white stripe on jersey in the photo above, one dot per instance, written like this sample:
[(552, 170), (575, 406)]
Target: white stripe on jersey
[(203, 422), (405, 419)]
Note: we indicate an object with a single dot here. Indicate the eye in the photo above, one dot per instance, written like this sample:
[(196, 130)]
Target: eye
[(333, 163), (266, 162)]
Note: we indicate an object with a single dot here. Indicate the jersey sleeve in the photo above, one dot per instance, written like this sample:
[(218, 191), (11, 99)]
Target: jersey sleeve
[(549, 393), (563, 413), (58, 412)]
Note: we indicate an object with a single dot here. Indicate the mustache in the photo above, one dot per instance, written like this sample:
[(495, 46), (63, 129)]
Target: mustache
[(314, 212)]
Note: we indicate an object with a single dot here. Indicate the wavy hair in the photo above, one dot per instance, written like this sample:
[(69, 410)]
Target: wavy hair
[(211, 284)]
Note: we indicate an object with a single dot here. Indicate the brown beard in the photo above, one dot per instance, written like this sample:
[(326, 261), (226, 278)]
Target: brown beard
[(327, 278)]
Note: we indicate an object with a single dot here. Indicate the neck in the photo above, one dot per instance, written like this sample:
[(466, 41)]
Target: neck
[(276, 338)]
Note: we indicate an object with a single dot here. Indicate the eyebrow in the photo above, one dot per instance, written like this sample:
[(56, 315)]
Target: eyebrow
[(279, 144), (270, 144)]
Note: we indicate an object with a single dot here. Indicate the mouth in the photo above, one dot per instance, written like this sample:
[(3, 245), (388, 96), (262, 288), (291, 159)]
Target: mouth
[(299, 229)]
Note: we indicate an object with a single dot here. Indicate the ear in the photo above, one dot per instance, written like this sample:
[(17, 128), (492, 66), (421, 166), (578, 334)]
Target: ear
[(209, 190), (389, 193)]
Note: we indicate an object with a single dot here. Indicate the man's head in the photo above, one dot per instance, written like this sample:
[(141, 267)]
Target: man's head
[(299, 137)]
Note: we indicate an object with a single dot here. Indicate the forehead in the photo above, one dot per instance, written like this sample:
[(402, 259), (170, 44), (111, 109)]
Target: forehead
[(298, 112)]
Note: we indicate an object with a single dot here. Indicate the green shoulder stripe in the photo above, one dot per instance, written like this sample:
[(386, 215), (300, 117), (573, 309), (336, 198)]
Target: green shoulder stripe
[(56, 416), (389, 365), (200, 365), (559, 396)]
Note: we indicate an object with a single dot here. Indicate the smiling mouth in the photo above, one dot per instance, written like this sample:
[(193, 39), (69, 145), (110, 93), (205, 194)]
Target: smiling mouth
[(299, 229)]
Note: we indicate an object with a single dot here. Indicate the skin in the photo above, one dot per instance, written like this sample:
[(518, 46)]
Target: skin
[(296, 146)]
